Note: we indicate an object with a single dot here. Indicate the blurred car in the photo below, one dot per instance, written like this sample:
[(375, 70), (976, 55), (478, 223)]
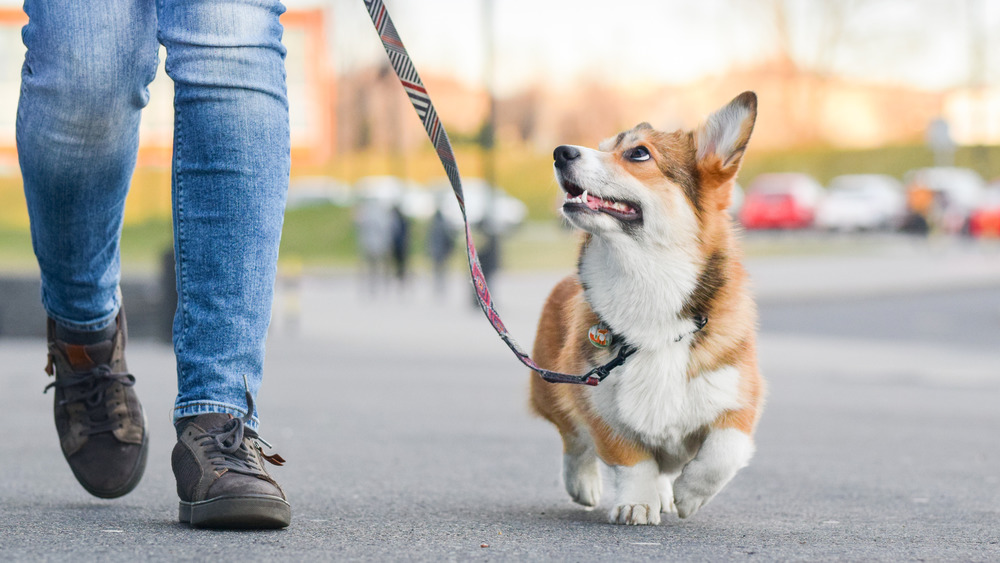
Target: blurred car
[(507, 211), (785, 200), (951, 195), (984, 221), (862, 202)]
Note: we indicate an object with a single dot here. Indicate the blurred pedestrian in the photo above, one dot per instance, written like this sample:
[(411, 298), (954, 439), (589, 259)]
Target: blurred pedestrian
[(919, 207), (400, 243), (374, 223), (489, 252), (84, 84), (440, 244)]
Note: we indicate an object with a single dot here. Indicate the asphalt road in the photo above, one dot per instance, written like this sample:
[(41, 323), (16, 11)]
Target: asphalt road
[(961, 318), (404, 423)]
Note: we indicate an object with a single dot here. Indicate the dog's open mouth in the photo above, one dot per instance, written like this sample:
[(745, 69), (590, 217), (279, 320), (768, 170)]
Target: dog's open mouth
[(578, 199)]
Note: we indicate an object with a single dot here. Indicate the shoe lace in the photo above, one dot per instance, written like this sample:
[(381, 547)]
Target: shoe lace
[(229, 446), (90, 388)]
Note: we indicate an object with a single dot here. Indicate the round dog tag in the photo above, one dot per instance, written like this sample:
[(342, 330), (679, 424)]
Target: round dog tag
[(600, 335)]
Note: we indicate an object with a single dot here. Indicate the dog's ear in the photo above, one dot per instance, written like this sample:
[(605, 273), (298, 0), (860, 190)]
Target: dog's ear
[(722, 140)]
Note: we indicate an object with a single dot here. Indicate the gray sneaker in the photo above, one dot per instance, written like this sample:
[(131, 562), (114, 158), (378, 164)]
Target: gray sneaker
[(101, 426), (221, 480)]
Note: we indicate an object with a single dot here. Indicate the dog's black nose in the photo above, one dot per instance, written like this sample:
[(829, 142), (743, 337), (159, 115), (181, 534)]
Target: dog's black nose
[(564, 154)]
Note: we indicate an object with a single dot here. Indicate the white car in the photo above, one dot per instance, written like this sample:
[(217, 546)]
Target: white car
[(414, 201), (507, 211), (861, 202)]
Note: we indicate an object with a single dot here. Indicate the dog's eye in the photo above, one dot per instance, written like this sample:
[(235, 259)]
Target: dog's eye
[(638, 154)]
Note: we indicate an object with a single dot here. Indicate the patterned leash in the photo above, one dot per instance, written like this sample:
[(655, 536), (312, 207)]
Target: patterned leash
[(410, 80)]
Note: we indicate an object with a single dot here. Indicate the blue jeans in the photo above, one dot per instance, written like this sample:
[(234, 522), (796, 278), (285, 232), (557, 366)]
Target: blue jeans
[(84, 84)]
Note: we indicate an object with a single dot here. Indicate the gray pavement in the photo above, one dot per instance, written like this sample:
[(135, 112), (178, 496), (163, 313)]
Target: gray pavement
[(967, 319), (404, 422), (867, 265)]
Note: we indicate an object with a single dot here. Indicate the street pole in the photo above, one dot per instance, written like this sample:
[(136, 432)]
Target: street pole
[(488, 137), (490, 227)]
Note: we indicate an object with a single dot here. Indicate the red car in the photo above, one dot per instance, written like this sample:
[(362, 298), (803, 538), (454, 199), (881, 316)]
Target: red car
[(780, 201), (984, 221)]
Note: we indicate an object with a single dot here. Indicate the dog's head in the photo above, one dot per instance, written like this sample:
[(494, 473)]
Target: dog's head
[(649, 184)]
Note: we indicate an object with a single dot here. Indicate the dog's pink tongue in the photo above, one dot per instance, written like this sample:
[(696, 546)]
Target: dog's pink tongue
[(594, 202)]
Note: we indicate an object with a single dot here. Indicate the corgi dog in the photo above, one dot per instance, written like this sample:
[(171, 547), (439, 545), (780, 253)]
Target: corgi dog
[(659, 270)]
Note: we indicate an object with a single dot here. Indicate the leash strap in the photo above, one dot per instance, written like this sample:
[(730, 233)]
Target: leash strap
[(421, 101)]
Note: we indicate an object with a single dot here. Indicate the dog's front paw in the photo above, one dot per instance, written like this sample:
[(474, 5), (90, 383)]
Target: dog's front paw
[(665, 485), (687, 499), (583, 479), (635, 514), (636, 499), (722, 454)]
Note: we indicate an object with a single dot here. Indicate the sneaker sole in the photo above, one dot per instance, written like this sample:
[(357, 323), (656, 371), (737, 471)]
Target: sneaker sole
[(251, 511)]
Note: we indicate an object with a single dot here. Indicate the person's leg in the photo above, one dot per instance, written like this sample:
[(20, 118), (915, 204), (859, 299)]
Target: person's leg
[(230, 178), (231, 166), (84, 82)]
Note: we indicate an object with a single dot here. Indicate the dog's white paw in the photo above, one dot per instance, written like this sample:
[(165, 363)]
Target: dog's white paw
[(583, 479), (634, 514), (687, 500), (668, 507), (665, 486), (722, 454), (636, 498)]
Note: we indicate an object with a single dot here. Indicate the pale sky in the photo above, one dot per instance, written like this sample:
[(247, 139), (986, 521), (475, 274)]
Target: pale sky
[(926, 43)]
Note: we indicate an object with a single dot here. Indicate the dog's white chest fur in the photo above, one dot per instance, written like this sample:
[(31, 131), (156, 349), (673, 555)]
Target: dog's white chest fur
[(651, 398)]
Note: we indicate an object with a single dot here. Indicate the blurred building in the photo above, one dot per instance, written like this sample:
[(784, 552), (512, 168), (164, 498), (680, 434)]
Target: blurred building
[(374, 111), (797, 108), (365, 109), (311, 92), (974, 116)]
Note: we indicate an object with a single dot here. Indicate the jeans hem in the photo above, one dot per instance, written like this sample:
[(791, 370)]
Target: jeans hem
[(92, 326), (205, 407)]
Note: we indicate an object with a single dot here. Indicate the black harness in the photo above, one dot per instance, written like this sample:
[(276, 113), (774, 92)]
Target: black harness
[(600, 373)]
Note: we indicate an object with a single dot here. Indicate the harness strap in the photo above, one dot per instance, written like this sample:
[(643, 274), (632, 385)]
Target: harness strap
[(408, 77)]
